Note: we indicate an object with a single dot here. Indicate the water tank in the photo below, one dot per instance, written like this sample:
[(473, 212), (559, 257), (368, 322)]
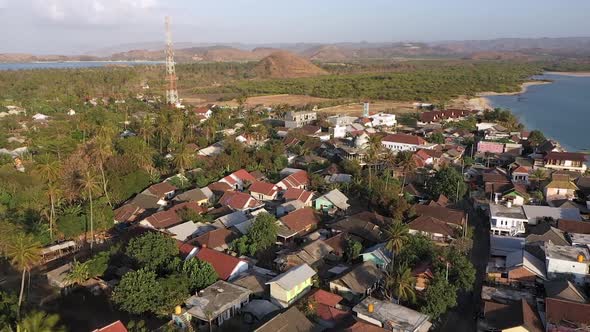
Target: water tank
[(177, 310), (371, 307), (581, 258)]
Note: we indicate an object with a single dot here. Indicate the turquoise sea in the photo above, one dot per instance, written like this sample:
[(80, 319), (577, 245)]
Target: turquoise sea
[(561, 110)]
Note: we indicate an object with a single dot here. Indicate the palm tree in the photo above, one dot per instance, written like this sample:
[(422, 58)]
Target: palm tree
[(406, 163), (183, 159), (79, 273), (101, 151), (39, 321), (399, 283), (89, 186), (53, 192), (48, 169), (537, 176), (24, 253), (397, 235)]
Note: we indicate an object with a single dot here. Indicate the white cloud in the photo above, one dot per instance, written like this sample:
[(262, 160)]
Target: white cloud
[(97, 12)]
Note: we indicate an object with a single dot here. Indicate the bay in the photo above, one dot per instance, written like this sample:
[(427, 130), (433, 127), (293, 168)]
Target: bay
[(72, 64), (561, 110)]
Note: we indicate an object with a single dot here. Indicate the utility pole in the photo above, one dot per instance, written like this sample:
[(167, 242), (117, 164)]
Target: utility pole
[(171, 92)]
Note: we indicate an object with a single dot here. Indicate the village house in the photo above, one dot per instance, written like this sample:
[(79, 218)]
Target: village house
[(566, 307), (365, 225), (566, 161), (391, 317), (164, 191), (127, 213), (404, 142), (560, 188), (202, 196), (264, 191), (171, 217), (113, 327), (189, 230), (239, 179), (443, 115), (378, 255), (217, 303), (218, 239), (291, 320), (341, 120), (423, 274), (239, 201), (513, 316), (288, 287), (567, 260), (519, 267), (358, 282), (383, 119), (299, 119), (296, 180), (450, 216), (301, 195), (203, 113), (507, 219), (332, 202), (328, 310), (227, 267), (313, 254), (433, 228), (297, 223)]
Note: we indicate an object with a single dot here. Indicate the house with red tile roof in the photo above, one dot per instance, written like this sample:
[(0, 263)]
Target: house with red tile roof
[(217, 239), (328, 311), (298, 223), (264, 191), (203, 112), (405, 142), (113, 327), (302, 195), (172, 216), (239, 179), (297, 180), (227, 267), (237, 200), (163, 191), (566, 161)]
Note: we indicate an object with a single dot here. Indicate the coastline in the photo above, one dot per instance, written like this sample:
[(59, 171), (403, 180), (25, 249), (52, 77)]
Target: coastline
[(569, 73), (523, 88)]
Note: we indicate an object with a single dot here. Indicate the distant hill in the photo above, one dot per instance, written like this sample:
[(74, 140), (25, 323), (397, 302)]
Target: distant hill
[(284, 64)]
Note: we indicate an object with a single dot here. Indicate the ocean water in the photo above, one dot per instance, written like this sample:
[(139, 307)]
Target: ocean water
[(561, 110), (72, 64)]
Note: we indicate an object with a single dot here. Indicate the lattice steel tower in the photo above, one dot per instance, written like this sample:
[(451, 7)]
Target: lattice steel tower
[(171, 92)]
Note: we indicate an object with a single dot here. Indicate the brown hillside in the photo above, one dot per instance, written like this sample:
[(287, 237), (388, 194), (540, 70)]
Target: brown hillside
[(328, 53), (286, 65)]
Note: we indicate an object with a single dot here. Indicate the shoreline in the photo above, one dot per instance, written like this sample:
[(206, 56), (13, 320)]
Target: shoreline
[(569, 73), (523, 88)]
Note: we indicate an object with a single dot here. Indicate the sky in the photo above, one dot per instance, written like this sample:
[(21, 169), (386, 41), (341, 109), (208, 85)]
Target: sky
[(83, 26)]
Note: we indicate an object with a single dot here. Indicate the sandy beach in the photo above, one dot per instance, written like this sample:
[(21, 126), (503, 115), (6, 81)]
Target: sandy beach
[(523, 88), (569, 73)]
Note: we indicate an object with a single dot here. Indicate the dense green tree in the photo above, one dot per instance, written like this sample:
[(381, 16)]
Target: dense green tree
[(437, 138), (397, 236), (439, 297), (39, 321), (260, 236), (399, 283), (536, 138), (152, 250), (461, 270), (78, 274), (200, 274), (8, 308), (449, 182), (138, 292), (352, 250)]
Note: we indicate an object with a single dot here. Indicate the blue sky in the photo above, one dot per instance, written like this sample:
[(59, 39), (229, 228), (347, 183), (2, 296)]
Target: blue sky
[(78, 26)]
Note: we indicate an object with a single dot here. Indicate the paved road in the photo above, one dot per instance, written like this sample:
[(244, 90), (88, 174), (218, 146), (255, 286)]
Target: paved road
[(463, 316)]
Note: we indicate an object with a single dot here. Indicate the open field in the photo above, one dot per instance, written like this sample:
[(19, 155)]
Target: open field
[(267, 100), (356, 109)]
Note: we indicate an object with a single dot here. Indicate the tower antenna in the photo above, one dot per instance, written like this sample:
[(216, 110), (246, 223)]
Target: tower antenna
[(171, 92)]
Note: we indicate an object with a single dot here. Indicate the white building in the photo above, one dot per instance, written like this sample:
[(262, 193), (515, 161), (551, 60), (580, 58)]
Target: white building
[(383, 119), (567, 261), (299, 119), (507, 220), (403, 142), (338, 131), (341, 120)]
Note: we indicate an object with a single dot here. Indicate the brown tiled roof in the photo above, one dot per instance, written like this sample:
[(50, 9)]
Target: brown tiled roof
[(560, 311), (160, 189), (574, 156), (372, 217), (238, 200), (216, 238), (222, 263), (506, 316), (113, 327), (431, 225), (296, 179), (403, 138), (264, 188), (300, 219), (325, 297), (219, 187), (243, 175), (295, 193), (447, 215), (360, 326), (127, 213), (291, 320), (164, 219), (337, 242), (574, 226)]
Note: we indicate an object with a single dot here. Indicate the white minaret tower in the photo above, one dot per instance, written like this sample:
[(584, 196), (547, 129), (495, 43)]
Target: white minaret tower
[(171, 92), (366, 109)]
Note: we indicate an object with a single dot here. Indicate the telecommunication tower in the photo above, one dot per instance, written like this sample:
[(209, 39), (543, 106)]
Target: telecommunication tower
[(171, 92)]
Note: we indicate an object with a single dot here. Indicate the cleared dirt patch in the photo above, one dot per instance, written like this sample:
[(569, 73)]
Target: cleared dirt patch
[(356, 109), (293, 100)]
